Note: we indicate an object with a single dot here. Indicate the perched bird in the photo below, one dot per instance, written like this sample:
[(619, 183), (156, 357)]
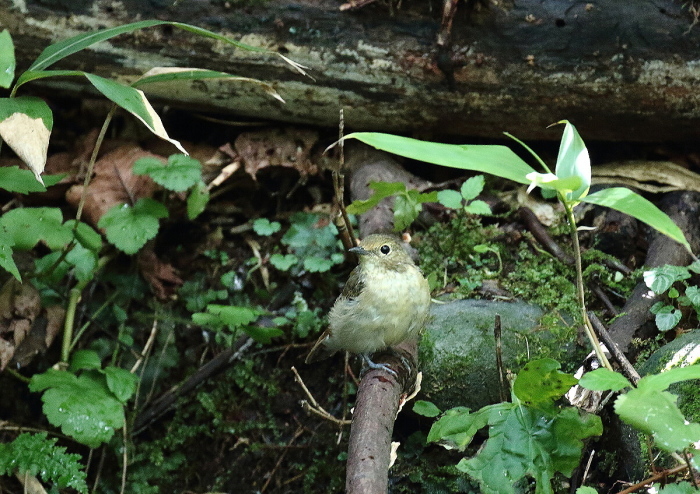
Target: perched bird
[(384, 302)]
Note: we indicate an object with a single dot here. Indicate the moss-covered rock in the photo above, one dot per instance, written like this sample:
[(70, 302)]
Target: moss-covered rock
[(458, 350)]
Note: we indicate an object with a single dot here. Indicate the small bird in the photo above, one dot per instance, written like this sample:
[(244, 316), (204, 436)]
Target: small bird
[(385, 301)]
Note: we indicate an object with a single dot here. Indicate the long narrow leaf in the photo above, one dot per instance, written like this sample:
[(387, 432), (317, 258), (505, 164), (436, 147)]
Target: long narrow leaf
[(32, 75), (168, 74), (496, 160), (62, 49), (135, 102), (628, 202)]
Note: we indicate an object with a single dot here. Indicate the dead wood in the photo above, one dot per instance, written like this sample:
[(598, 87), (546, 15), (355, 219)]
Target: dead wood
[(618, 70)]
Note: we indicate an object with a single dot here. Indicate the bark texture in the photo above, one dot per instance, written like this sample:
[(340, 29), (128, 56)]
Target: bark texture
[(618, 70)]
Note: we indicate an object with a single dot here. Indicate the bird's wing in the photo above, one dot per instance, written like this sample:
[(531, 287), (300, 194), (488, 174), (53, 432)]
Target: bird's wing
[(354, 285)]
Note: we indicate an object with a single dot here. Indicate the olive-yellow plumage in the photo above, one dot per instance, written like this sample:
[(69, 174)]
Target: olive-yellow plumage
[(385, 301)]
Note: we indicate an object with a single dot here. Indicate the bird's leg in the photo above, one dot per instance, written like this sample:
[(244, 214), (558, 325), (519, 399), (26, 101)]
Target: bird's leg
[(374, 365)]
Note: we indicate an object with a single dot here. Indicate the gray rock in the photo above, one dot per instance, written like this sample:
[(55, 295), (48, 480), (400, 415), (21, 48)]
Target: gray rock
[(458, 349)]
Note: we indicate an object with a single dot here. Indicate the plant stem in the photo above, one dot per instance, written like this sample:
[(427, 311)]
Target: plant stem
[(580, 290)]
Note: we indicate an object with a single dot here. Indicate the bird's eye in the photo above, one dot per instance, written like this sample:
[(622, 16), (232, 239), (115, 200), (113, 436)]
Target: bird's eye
[(385, 249)]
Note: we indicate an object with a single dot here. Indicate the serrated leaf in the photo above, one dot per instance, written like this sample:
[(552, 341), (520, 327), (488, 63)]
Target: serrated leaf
[(472, 187), (135, 102), (83, 261), (426, 408), (28, 226), (541, 382), (450, 198), (82, 406), (283, 262), (120, 382), (478, 207), (261, 334), (661, 381), (7, 59), (573, 161), (36, 455), (315, 264), (181, 172), (197, 200), (680, 488), (495, 160), (85, 359), (129, 228), (604, 380), (265, 227), (626, 201), (528, 442), (25, 125), (660, 279), (457, 426), (234, 316), (406, 210)]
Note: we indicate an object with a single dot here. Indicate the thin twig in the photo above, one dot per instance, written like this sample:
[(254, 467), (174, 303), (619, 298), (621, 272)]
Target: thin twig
[(653, 478), (312, 405), (499, 358), (296, 435), (620, 357)]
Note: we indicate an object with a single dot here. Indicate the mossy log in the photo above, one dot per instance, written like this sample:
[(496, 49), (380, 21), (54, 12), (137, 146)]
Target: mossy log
[(618, 70)]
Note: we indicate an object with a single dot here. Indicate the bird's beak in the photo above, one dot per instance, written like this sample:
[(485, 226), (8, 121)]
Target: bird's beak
[(359, 251)]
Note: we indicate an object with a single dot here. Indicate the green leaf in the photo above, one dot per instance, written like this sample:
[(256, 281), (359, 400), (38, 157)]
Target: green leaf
[(283, 262), (36, 455), (573, 161), (315, 264), (28, 226), (426, 408), (181, 172), (541, 382), (135, 102), (450, 198), (653, 411), (549, 181), (85, 359), (584, 489), (456, 428), (85, 235), (234, 316), (680, 488), (406, 210), (472, 187), (604, 380), (6, 260), (82, 406), (478, 207), (527, 442), (265, 227), (121, 382), (83, 261), (693, 294), (667, 318), (626, 201), (197, 200), (261, 334), (495, 160), (129, 228), (7, 59), (13, 179), (25, 125), (660, 279), (62, 49)]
